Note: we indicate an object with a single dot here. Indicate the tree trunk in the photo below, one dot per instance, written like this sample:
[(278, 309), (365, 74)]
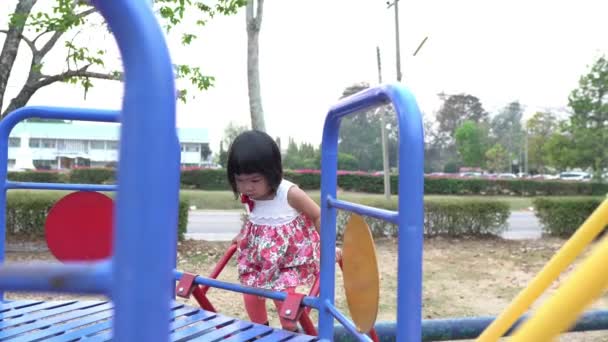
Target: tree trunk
[(254, 23), (11, 46), (20, 100)]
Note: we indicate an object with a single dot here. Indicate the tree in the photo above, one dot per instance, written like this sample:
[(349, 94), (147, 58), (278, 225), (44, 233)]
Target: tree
[(55, 31), (560, 151), (347, 162), (497, 158), (455, 110), (305, 156), (253, 17), (589, 122), (222, 156), (507, 130), (433, 156), (205, 151), (231, 131), (470, 141), (539, 128), (360, 134)]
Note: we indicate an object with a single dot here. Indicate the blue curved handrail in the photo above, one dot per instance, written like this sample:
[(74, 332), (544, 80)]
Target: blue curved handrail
[(410, 209)]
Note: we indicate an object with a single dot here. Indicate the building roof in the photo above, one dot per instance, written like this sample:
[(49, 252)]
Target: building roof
[(94, 131)]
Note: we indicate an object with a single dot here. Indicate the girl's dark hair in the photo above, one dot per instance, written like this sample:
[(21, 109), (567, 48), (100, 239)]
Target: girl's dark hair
[(255, 152)]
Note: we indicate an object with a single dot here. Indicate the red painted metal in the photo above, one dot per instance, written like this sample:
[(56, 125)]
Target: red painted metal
[(186, 285), (79, 227)]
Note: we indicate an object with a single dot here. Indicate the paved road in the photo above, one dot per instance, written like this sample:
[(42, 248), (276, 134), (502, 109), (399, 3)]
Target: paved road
[(213, 225), (224, 225), (523, 225)]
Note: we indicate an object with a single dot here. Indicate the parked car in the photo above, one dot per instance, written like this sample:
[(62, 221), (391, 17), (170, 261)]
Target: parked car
[(575, 176)]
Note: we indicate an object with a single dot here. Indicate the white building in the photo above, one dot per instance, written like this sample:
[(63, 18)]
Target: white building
[(50, 145)]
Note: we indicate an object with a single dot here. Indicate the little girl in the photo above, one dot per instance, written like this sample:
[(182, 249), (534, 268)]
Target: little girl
[(278, 247)]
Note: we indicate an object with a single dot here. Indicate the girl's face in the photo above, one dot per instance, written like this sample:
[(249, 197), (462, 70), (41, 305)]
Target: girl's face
[(253, 185)]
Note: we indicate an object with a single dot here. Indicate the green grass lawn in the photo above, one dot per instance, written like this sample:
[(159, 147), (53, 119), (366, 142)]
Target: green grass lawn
[(224, 200)]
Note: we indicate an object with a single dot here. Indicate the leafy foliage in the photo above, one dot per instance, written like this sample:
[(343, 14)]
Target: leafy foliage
[(64, 20), (470, 140), (497, 158)]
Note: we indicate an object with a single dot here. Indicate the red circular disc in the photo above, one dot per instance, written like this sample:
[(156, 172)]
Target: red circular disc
[(79, 227)]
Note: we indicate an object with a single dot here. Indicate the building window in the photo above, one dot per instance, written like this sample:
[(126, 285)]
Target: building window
[(48, 143), (112, 145), (14, 142), (35, 143), (98, 145), (191, 148), (72, 146)]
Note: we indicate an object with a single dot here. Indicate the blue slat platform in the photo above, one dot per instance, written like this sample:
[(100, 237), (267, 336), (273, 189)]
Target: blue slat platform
[(30, 320)]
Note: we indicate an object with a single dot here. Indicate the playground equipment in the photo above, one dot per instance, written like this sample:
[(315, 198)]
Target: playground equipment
[(138, 277), (187, 287)]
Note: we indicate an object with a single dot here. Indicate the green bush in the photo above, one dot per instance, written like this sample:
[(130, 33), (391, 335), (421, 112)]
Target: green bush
[(182, 225), (561, 217), (471, 217), (453, 218), (93, 176), (26, 213), (206, 179), (38, 176)]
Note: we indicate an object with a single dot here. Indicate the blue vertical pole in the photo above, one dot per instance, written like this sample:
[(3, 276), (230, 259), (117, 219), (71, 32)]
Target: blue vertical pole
[(148, 177), (411, 214), (4, 134), (329, 164)]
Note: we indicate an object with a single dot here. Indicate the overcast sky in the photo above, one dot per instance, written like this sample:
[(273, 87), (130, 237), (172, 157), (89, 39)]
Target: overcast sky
[(499, 51)]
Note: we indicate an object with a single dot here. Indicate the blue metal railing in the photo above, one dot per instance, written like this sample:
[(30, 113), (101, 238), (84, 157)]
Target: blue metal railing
[(409, 216), (6, 126), (148, 179)]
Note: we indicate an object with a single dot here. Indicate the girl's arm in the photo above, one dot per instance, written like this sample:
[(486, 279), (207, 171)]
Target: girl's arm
[(301, 202)]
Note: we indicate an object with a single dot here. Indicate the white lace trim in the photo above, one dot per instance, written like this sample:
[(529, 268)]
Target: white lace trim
[(271, 221)]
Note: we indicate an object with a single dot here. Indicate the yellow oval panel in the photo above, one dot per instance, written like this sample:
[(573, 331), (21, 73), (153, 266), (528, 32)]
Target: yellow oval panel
[(360, 272)]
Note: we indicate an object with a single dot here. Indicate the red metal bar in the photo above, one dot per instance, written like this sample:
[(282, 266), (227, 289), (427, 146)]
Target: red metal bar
[(307, 325), (219, 267), (202, 299)]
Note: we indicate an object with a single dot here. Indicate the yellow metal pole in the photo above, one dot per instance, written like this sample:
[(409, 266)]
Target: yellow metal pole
[(558, 263), (560, 311)]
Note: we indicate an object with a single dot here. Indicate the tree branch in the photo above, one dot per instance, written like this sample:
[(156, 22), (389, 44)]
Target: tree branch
[(82, 72), (26, 40), (53, 40)]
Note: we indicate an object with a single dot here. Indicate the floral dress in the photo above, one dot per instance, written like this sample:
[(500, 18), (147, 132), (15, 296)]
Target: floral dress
[(280, 247)]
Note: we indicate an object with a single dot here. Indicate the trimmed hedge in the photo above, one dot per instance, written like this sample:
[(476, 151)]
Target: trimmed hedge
[(26, 214), (38, 176), (92, 176), (216, 180), (209, 179), (454, 218), (561, 217)]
